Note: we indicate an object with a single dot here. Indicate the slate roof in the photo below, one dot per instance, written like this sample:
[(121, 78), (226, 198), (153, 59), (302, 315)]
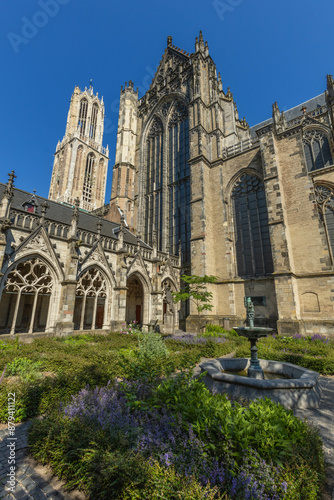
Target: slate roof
[(295, 112), (62, 214)]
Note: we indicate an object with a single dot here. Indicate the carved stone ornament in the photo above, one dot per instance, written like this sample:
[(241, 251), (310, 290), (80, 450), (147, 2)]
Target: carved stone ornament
[(179, 114), (37, 243), (30, 276), (156, 129)]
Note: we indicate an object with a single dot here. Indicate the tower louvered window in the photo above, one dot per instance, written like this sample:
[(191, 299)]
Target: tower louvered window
[(325, 200), (92, 131), (83, 116), (87, 186), (252, 238), (317, 150)]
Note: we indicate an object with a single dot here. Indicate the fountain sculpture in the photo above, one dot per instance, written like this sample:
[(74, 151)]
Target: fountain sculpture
[(292, 386)]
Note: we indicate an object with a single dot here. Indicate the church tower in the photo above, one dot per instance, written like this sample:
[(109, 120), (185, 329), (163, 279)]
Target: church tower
[(81, 162)]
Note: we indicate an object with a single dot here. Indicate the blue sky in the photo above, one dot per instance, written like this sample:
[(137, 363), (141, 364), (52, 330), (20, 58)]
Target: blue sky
[(266, 51)]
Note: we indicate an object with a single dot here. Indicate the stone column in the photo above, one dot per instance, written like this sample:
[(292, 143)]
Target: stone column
[(65, 325)]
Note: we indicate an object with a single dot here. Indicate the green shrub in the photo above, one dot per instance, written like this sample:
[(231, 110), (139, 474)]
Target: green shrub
[(26, 369), (264, 425)]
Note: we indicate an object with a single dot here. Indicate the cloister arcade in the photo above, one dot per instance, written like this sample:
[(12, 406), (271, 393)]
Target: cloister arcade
[(26, 296)]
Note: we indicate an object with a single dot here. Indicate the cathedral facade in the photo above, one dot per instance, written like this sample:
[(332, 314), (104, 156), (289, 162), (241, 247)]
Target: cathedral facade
[(253, 206), (194, 190)]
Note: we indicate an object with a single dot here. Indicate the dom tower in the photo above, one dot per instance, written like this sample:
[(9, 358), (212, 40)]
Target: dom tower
[(81, 162)]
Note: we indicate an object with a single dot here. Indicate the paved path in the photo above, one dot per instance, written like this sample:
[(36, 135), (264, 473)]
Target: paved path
[(35, 482)]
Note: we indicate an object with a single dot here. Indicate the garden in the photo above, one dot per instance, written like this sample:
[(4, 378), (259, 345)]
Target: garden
[(121, 416)]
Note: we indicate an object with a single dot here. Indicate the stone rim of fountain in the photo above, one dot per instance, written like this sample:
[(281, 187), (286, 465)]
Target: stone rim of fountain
[(302, 390)]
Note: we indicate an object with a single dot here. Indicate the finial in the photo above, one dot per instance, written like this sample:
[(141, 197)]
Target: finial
[(9, 192), (90, 83), (44, 206), (138, 240), (75, 213), (99, 227), (169, 41), (303, 109), (34, 191), (229, 94), (330, 82)]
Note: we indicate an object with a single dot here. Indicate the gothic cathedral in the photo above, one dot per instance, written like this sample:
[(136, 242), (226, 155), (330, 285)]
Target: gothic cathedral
[(194, 190)]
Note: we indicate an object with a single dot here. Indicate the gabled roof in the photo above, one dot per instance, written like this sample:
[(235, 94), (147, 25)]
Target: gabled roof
[(57, 212), (295, 112)]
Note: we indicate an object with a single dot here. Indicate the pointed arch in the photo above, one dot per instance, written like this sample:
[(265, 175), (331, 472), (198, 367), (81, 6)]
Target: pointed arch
[(179, 225), (251, 229), (83, 116), (78, 165), (138, 299), (154, 180), (93, 121), (27, 290), (88, 180), (93, 299), (316, 149), (324, 193)]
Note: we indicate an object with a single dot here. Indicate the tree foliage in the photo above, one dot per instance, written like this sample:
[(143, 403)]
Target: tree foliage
[(195, 290)]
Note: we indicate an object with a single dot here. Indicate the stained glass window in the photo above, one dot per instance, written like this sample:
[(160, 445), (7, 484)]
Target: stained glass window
[(252, 238)]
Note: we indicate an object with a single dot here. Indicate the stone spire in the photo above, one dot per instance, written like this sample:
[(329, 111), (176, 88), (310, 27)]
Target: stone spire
[(330, 83), (278, 118)]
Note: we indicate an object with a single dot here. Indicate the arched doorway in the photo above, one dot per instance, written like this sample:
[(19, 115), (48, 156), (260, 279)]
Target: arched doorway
[(90, 300), (135, 300), (24, 306)]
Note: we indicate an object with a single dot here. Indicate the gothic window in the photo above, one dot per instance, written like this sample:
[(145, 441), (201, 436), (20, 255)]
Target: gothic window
[(252, 239), (87, 186), (93, 121), (83, 116), (99, 181), (154, 171), (325, 200), (179, 182), (26, 296), (317, 150), (91, 294), (77, 169)]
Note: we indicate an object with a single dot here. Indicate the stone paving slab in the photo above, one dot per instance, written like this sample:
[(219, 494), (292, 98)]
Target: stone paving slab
[(33, 481)]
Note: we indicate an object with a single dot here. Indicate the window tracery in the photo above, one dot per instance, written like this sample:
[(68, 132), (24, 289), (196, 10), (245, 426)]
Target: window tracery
[(30, 285), (252, 238), (83, 116), (91, 293), (88, 179), (317, 150), (325, 201)]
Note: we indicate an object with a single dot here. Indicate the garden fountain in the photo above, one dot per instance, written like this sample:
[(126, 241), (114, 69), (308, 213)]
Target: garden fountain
[(253, 333), (290, 385)]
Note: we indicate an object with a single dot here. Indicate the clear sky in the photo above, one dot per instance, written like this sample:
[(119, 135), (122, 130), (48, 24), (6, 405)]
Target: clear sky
[(266, 51)]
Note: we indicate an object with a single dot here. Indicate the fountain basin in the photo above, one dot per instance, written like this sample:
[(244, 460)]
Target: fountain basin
[(300, 390), (254, 333)]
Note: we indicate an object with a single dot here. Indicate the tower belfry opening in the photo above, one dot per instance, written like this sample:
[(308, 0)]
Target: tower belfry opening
[(81, 162)]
